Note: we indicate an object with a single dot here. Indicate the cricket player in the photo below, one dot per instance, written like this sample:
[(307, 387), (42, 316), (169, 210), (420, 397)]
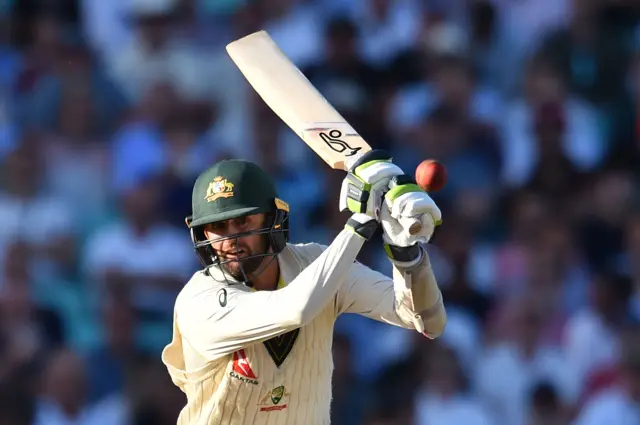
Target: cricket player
[(252, 331)]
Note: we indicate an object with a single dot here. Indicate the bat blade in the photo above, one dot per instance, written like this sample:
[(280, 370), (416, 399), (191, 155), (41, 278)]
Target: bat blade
[(285, 89)]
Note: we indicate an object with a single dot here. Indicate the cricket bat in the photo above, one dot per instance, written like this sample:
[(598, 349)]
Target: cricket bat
[(285, 89)]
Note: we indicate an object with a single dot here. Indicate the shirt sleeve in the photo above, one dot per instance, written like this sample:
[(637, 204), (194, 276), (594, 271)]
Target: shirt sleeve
[(219, 320), (411, 299)]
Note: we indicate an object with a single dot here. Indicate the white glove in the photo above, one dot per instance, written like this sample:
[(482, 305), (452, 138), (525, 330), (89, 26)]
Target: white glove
[(368, 179), (398, 210)]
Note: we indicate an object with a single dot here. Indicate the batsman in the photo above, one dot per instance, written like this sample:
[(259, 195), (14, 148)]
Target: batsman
[(253, 330)]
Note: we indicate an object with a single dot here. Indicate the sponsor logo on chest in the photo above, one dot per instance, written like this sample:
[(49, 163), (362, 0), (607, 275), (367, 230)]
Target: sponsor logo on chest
[(241, 369)]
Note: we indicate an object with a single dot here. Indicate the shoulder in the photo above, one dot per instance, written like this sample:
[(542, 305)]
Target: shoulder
[(306, 252), (198, 290), (204, 298), (204, 288)]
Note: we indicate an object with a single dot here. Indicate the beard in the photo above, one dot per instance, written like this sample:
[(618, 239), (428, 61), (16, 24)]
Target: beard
[(243, 268)]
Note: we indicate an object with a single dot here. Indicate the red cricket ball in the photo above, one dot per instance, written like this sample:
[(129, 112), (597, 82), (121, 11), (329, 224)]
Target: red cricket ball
[(431, 175)]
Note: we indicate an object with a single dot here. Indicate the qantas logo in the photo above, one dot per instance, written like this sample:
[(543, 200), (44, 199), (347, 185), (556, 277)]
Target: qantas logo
[(241, 365), (242, 369)]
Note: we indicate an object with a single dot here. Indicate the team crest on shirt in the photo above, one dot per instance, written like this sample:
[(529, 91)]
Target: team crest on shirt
[(241, 369), (276, 399), (219, 188)]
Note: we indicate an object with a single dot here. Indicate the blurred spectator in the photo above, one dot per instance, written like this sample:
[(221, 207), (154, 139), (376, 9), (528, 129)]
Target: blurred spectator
[(524, 23), (163, 138), (558, 272), (349, 393), (27, 331), (546, 407), (455, 245), (152, 56), (601, 232), (624, 118), (386, 28), (29, 326), (104, 25), (618, 405), (63, 388), (448, 81), (295, 26), (444, 398), (40, 42), (581, 139), (554, 174), (158, 401), (592, 335), (504, 269), (75, 71), (508, 371), (29, 212), (63, 398), (488, 48), (584, 53), (140, 255), (76, 158), (110, 364)]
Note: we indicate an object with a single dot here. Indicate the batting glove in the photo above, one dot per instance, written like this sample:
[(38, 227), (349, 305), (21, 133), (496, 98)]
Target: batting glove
[(366, 183), (404, 202)]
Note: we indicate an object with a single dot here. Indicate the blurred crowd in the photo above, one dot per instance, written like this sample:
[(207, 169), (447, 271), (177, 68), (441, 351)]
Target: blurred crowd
[(109, 109)]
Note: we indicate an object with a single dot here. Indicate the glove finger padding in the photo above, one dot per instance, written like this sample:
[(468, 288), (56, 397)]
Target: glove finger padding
[(415, 204)]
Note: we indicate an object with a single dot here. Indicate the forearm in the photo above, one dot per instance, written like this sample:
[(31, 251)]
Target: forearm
[(396, 301), (418, 293)]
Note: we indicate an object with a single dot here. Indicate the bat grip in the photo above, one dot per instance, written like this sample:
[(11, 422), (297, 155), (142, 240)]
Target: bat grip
[(411, 224)]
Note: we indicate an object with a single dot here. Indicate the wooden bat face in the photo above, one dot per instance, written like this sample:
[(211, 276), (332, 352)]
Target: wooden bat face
[(295, 100)]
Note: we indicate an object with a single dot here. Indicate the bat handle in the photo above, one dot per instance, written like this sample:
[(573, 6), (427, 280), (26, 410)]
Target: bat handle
[(411, 224)]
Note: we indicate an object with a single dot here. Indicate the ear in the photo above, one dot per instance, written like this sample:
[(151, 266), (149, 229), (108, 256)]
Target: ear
[(203, 231), (188, 221)]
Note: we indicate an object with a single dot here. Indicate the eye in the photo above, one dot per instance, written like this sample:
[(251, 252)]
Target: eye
[(241, 221), (217, 226)]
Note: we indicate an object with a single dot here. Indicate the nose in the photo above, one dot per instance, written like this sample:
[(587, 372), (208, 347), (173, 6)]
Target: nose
[(229, 244)]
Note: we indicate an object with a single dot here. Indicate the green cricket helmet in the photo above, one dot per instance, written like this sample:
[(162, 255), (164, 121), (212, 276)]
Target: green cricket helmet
[(232, 189)]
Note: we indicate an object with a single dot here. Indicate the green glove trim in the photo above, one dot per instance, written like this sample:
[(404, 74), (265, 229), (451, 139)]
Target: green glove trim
[(355, 206), (367, 164), (357, 194), (401, 189)]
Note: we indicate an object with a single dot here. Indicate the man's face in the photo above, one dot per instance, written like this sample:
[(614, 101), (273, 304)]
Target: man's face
[(232, 250)]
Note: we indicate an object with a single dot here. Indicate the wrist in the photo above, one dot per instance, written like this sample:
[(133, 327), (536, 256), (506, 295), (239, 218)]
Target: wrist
[(405, 256)]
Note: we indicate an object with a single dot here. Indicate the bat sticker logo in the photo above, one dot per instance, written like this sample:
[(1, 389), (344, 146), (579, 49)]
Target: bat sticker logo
[(222, 297), (333, 140)]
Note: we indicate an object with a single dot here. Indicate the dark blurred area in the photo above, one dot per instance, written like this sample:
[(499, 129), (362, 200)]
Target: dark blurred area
[(110, 109)]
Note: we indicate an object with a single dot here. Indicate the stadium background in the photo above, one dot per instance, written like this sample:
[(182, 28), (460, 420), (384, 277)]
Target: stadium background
[(108, 109)]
